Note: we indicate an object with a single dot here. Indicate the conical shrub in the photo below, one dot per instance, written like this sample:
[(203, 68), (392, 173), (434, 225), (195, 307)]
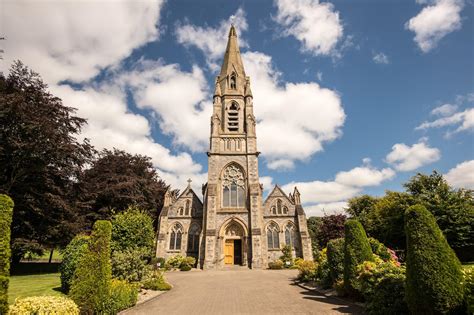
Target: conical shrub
[(356, 251), (433, 275)]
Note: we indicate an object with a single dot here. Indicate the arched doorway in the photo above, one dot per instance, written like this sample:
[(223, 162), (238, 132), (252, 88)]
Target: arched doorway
[(234, 243)]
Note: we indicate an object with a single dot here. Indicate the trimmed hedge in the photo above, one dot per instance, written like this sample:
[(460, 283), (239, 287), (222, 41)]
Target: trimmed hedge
[(156, 281), (90, 286), (6, 212), (335, 254), (122, 296), (433, 276), (44, 305), (356, 251), (130, 265), (71, 256)]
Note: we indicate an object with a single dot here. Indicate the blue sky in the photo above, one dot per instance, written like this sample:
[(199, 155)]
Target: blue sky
[(350, 98)]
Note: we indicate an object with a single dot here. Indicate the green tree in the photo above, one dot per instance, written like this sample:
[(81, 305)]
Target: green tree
[(361, 208), (40, 158), (453, 209), (433, 276), (117, 180), (356, 251), (90, 287), (132, 229), (314, 224), (6, 211), (335, 254)]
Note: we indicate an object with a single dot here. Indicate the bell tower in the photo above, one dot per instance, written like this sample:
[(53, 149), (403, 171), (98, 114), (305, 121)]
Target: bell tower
[(233, 194)]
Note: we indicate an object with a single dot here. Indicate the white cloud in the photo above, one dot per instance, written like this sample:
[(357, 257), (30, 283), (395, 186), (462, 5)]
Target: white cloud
[(444, 110), (364, 176), (212, 41), (380, 58), (464, 121), (323, 209), (407, 158), (316, 115), (461, 176), (315, 24), (72, 40), (75, 41), (435, 22), (332, 196)]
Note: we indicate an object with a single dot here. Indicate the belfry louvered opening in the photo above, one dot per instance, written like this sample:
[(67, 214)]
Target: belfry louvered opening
[(233, 117)]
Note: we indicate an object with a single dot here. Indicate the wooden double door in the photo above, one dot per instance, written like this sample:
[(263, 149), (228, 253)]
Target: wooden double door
[(233, 252)]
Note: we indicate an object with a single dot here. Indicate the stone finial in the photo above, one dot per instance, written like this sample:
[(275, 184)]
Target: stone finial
[(168, 198), (189, 182), (296, 196), (217, 91), (248, 91)]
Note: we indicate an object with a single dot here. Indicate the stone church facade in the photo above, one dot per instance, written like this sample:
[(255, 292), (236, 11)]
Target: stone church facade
[(233, 225)]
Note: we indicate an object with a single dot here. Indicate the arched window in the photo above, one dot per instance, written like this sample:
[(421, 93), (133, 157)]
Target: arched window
[(175, 237), (272, 236), (233, 117), (273, 210), (279, 206), (181, 211), (285, 210), (193, 238), (290, 236), (233, 81), (233, 188), (187, 207)]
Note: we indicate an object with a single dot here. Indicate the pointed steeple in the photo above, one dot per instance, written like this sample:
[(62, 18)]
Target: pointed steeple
[(232, 60)]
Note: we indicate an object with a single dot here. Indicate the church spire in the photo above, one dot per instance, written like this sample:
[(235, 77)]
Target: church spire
[(232, 60)]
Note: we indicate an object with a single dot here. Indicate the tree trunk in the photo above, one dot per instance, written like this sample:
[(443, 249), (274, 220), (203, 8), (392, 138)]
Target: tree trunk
[(51, 255)]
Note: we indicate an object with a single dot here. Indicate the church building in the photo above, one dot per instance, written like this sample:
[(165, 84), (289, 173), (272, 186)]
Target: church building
[(233, 224)]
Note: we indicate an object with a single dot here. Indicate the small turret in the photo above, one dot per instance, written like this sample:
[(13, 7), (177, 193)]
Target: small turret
[(217, 91)]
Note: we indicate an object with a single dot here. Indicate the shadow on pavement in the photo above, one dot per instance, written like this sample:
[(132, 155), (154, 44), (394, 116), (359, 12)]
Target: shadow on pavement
[(340, 305)]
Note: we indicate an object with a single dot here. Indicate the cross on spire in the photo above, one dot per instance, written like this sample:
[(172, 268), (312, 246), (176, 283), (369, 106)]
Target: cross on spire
[(189, 182)]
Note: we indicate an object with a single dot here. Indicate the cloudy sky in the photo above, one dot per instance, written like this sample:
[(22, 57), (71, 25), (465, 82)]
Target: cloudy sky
[(350, 97)]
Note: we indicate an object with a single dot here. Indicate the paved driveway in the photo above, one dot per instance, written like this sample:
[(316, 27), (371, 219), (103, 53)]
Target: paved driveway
[(241, 291)]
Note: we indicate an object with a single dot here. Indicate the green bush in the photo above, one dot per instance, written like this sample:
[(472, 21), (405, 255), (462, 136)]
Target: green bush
[(122, 296), (174, 262), (130, 265), (382, 284), (71, 256), (307, 270), (379, 249), (187, 263), (323, 273), (277, 264), (287, 257), (132, 229), (43, 305), (185, 267), (335, 256), (158, 260), (6, 212), (90, 286), (356, 251), (156, 281), (434, 277)]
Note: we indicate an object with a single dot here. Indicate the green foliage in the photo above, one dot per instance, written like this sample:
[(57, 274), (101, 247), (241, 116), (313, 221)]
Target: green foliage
[(362, 208), (187, 263), (6, 212), (156, 281), (287, 257), (434, 277), (314, 224), (323, 273), (185, 267), (356, 250), (174, 262), (277, 264), (468, 275), (73, 252), (307, 270), (379, 249), (122, 296), (335, 259), (155, 261), (382, 285), (90, 286), (132, 229), (130, 264), (44, 305)]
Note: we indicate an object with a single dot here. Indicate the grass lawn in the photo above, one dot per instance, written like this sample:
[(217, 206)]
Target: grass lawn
[(22, 286)]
